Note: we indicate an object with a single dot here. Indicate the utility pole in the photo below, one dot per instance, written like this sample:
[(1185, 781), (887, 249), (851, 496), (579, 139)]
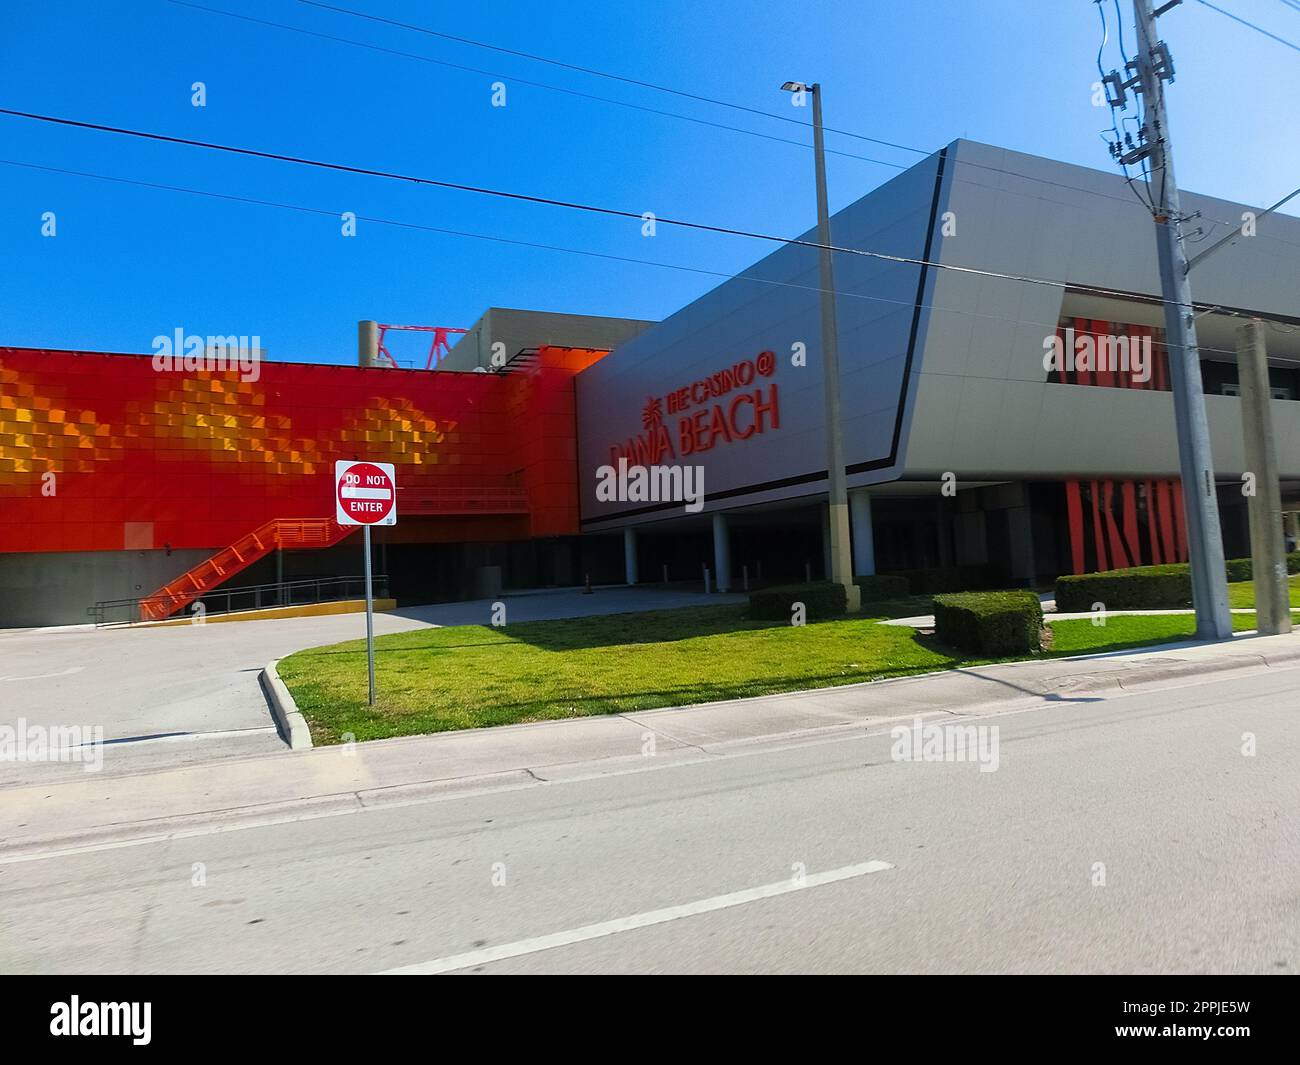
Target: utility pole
[(1267, 546), (1151, 68), (841, 560)]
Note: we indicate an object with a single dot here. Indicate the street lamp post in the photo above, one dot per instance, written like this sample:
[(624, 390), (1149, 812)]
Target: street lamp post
[(841, 561)]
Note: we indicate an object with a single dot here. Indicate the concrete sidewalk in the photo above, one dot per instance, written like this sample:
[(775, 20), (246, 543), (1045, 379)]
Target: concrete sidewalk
[(92, 809)]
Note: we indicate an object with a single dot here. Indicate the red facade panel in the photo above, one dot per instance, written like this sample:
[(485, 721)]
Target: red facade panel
[(1115, 524), (102, 452)]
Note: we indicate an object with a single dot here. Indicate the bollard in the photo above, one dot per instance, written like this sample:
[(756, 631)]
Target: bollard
[(807, 572), (665, 573), (744, 578), (707, 586), (586, 588)]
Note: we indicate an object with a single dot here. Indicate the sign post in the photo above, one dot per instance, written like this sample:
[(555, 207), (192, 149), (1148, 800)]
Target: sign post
[(370, 617), (365, 494)]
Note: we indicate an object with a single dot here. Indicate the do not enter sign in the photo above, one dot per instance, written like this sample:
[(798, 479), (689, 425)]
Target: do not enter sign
[(365, 493)]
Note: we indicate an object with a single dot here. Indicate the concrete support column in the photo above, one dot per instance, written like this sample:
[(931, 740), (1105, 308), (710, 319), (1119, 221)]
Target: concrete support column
[(864, 540), (721, 552), (840, 555), (1267, 547), (629, 555), (826, 541), (367, 343)]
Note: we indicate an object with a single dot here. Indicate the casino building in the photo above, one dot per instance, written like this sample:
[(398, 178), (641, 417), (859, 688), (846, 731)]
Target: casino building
[(965, 443)]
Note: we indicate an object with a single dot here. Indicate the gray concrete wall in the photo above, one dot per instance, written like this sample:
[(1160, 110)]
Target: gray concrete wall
[(982, 404), (55, 588), (773, 306), (978, 403), (516, 330)]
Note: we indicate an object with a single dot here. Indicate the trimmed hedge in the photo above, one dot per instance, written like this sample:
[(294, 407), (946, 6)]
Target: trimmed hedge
[(990, 623), (1238, 569), (1241, 569), (882, 587), (1140, 588), (1145, 587), (821, 599), (951, 578)]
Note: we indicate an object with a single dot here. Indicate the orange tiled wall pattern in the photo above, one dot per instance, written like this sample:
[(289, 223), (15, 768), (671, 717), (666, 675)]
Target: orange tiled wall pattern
[(145, 459)]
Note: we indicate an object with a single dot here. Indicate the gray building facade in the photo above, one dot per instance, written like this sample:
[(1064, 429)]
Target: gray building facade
[(961, 444)]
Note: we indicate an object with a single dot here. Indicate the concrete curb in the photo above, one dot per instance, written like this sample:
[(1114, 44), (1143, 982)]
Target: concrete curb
[(288, 718), (1217, 667)]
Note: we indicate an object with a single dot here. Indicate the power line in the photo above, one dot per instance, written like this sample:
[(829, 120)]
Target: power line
[(1258, 29), (521, 81), (534, 57), (469, 234), (1237, 233), (537, 245), (663, 88), (599, 73), (480, 190), (1145, 201), (610, 212), (636, 107)]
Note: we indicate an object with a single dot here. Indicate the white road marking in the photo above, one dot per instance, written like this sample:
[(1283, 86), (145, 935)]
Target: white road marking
[(47, 676), (637, 920)]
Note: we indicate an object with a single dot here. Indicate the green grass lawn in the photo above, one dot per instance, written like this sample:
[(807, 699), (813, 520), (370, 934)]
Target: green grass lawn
[(1081, 637), (1242, 593), (433, 680)]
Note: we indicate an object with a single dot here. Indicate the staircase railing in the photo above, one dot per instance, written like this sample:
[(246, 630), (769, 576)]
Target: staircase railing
[(249, 597), (276, 533), (199, 581)]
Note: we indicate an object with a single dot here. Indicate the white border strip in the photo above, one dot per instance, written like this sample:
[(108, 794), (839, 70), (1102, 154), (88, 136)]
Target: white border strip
[(637, 920)]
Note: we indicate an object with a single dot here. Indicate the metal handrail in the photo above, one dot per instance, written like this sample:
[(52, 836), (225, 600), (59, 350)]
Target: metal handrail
[(226, 563), (250, 597)]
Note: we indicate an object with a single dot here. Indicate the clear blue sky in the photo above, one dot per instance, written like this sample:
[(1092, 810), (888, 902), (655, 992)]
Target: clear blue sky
[(130, 263)]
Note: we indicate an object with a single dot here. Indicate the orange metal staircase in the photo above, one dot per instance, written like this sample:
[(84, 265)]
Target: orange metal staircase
[(494, 498), (278, 532)]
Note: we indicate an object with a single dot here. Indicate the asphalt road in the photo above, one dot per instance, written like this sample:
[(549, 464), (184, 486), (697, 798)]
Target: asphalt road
[(690, 864)]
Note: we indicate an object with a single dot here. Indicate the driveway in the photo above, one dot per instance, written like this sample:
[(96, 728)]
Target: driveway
[(171, 695)]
